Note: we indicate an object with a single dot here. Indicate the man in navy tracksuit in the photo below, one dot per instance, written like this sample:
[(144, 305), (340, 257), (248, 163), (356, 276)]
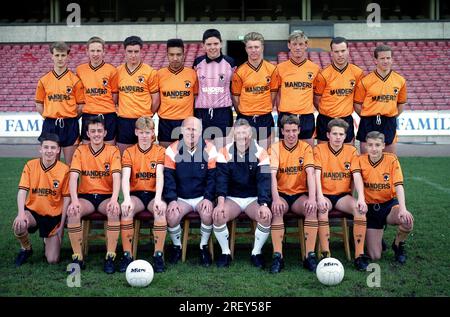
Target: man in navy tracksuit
[(243, 184), (189, 185)]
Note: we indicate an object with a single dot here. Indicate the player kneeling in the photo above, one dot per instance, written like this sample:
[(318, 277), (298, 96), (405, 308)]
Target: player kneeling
[(142, 186), (385, 196), (42, 201)]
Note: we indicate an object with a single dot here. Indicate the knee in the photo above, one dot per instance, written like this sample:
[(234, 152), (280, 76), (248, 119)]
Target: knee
[(264, 222), (277, 220), (220, 221), (206, 219), (358, 216)]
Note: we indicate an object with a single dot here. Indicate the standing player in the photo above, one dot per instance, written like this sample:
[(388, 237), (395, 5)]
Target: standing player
[(190, 185), (42, 201), (142, 187), (336, 165), (138, 92), (334, 90), (100, 89), (98, 166), (243, 185), (254, 89), (379, 100), (59, 99), (178, 87), (213, 103), (295, 80), (294, 188), (385, 195)]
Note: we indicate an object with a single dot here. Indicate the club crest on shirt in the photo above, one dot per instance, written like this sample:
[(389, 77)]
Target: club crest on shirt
[(221, 77), (105, 82), (386, 177), (187, 84), (310, 75), (55, 183), (300, 160), (396, 90), (347, 165), (352, 83), (68, 90), (153, 165), (107, 167), (141, 79)]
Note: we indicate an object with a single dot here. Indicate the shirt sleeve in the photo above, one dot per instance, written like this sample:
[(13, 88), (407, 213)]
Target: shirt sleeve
[(116, 164), (75, 166), (397, 175), (126, 159), (360, 93), (25, 178), (79, 92), (152, 82), (319, 84), (236, 84), (114, 81), (40, 93), (317, 159), (402, 94), (309, 157)]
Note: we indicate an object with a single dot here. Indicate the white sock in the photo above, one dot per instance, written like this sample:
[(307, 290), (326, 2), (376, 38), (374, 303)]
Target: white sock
[(261, 235), (222, 235), (206, 233), (175, 235)]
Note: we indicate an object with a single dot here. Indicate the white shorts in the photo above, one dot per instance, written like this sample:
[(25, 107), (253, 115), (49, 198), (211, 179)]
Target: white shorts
[(243, 202), (193, 202)]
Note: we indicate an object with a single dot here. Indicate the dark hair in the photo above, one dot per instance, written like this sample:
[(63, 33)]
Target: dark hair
[(175, 43), (338, 122), (382, 48), (289, 119), (211, 33), (49, 137), (338, 40), (133, 40), (60, 47), (95, 120)]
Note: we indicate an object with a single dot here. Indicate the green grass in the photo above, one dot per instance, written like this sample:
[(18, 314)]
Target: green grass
[(427, 183)]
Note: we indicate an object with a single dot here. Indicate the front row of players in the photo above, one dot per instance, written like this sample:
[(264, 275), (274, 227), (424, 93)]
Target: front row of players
[(191, 173)]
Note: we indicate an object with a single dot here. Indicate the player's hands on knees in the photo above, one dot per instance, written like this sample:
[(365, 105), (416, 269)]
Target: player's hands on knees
[(362, 206), (278, 207), (20, 223), (219, 213), (173, 209), (323, 205), (127, 207), (310, 206), (159, 207), (74, 209), (405, 217), (113, 208), (206, 206), (264, 213)]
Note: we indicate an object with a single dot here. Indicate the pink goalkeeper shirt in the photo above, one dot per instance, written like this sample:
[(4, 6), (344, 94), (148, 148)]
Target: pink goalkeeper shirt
[(214, 77)]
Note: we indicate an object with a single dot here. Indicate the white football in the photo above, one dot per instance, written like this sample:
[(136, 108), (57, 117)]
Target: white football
[(330, 271), (139, 273)]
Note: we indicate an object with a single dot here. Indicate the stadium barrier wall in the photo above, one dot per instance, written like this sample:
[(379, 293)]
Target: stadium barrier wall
[(409, 123)]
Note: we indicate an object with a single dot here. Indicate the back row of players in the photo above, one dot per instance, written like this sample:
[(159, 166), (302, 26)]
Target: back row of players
[(306, 184)]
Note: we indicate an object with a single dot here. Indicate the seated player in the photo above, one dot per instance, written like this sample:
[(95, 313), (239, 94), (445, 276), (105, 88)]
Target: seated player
[(336, 167), (142, 186), (42, 200), (190, 185), (385, 196), (243, 185), (294, 188), (98, 166)]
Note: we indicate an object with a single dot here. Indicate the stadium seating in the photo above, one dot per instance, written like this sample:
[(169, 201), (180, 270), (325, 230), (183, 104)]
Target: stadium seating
[(425, 65)]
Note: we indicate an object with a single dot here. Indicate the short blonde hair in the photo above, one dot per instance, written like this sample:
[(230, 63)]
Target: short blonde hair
[(375, 135), (297, 35), (96, 39), (253, 36), (145, 123)]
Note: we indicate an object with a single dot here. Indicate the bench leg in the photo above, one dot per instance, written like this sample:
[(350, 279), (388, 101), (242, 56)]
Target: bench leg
[(346, 239), (85, 225), (185, 239), (136, 232), (232, 237), (301, 233)]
